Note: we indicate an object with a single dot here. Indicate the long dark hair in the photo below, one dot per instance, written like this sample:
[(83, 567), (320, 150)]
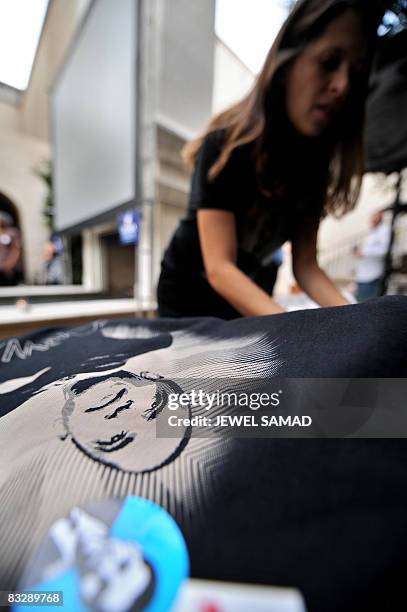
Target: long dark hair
[(259, 118)]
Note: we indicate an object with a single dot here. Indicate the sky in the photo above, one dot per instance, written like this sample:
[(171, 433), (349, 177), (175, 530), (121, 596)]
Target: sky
[(249, 27), (20, 28)]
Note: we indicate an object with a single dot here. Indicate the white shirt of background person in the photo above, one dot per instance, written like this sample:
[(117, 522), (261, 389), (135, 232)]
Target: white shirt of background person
[(373, 251)]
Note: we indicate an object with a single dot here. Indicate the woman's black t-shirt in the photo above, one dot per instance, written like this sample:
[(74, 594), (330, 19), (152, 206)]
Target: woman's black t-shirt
[(263, 224)]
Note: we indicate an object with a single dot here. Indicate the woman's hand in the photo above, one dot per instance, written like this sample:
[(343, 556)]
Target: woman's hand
[(217, 235), (309, 275), (319, 286)]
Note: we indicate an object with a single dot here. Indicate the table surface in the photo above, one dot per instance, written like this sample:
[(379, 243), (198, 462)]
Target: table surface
[(60, 310)]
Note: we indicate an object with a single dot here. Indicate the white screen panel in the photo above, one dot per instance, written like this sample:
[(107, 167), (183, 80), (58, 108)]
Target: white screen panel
[(186, 79), (93, 112)]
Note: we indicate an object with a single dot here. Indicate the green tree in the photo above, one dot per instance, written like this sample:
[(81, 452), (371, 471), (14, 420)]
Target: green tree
[(45, 173)]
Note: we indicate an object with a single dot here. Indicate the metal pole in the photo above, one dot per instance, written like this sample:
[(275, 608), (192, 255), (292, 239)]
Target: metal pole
[(389, 255), (146, 148)]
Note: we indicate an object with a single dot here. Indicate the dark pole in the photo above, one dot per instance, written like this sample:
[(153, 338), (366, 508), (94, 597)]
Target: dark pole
[(396, 209)]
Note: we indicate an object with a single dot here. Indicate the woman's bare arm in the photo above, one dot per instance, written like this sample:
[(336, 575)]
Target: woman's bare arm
[(309, 275), (217, 235)]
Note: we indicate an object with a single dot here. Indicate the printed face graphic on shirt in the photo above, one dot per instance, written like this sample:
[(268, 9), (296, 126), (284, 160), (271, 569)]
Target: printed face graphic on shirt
[(111, 407), (113, 419)]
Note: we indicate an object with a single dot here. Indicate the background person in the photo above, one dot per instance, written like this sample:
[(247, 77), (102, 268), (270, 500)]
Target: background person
[(10, 251), (54, 266), (372, 257), (269, 167)]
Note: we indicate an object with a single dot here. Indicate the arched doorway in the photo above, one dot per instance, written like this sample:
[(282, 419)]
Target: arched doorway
[(7, 206)]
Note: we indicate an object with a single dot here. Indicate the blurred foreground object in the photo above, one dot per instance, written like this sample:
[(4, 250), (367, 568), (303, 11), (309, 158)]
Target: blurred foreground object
[(386, 127), (386, 133)]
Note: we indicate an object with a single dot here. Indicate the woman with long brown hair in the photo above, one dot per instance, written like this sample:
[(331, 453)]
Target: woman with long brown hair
[(270, 167)]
